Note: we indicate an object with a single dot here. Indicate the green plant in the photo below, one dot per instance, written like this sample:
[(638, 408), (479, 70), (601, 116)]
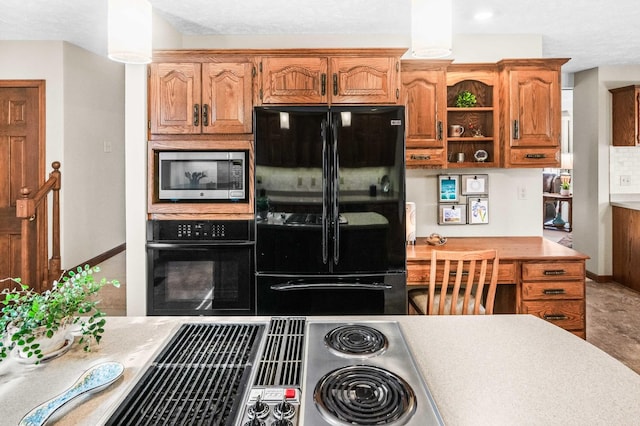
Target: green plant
[(565, 185), (466, 99), (27, 314)]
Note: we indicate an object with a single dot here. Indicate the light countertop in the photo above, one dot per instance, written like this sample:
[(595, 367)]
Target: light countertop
[(500, 369)]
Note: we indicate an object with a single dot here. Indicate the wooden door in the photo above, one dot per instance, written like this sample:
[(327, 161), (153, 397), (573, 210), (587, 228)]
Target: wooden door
[(22, 159), (365, 80), (174, 98), (294, 80), (227, 100), (535, 108)]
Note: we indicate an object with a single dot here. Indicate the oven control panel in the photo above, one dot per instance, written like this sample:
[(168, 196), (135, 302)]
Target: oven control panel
[(199, 230), (268, 406)]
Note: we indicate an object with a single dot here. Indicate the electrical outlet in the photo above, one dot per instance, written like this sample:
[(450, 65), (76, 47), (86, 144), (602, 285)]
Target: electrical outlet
[(522, 192), (107, 146), (625, 180)]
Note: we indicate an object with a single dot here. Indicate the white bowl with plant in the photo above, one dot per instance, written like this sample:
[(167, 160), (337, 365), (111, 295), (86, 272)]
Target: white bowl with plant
[(34, 325)]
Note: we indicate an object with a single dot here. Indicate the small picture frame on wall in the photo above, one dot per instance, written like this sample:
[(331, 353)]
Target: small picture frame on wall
[(478, 210), (453, 214), (448, 191), (475, 185)]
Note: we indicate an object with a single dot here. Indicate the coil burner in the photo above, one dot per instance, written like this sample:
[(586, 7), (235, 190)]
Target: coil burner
[(356, 340), (364, 395)]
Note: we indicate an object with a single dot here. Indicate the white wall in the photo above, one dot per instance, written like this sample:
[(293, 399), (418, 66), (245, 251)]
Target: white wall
[(84, 107)]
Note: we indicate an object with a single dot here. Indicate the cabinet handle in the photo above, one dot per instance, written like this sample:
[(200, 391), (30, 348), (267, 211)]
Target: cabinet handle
[(335, 84), (555, 317), (554, 291), (420, 157), (397, 93), (516, 129), (439, 130), (535, 156), (323, 84), (554, 272), (196, 115), (205, 114)]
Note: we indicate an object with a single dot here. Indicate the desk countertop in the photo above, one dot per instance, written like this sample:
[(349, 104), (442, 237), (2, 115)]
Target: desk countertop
[(509, 248), (500, 369)]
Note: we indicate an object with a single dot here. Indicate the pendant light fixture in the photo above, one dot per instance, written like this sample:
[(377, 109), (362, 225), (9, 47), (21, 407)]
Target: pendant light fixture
[(129, 31), (431, 28)]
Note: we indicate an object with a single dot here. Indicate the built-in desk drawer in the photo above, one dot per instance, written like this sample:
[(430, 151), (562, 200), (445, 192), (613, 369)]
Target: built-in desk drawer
[(549, 290), (568, 314), (535, 271), (418, 272)]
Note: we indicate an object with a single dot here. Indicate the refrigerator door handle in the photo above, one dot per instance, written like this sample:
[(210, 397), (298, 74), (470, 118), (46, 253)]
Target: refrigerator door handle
[(289, 286), (325, 194), (335, 211)]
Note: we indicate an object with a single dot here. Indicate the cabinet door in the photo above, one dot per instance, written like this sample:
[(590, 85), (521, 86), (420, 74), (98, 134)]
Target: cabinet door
[(535, 108), (365, 80), (425, 98), (625, 116), (290, 80), (226, 97), (174, 98)]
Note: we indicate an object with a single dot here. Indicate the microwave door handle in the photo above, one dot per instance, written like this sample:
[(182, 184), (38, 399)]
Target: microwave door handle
[(325, 194), (335, 194)]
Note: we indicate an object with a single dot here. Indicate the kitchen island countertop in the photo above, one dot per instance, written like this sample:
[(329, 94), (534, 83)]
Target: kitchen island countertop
[(500, 369)]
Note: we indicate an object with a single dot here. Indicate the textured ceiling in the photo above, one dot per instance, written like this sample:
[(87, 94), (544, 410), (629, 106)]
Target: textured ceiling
[(591, 32)]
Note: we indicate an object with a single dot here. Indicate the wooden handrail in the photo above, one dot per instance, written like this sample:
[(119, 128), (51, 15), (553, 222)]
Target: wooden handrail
[(35, 235)]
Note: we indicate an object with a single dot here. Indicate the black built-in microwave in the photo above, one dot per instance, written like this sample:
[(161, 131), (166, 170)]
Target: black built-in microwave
[(206, 176)]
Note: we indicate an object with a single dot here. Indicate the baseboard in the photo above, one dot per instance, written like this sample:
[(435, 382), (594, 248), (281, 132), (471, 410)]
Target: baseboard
[(600, 278), (103, 256)]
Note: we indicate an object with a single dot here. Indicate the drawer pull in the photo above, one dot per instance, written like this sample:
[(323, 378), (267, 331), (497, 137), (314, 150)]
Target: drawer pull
[(554, 291), (555, 272), (555, 317)]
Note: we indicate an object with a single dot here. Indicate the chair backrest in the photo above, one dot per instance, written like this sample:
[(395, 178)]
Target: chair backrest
[(462, 274)]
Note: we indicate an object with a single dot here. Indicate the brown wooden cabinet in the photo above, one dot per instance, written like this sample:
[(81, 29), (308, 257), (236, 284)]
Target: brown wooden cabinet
[(424, 96), (201, 94), (625, 119), (480, 122), (530, 112), (626, 246), (554, 291), (365, 76)]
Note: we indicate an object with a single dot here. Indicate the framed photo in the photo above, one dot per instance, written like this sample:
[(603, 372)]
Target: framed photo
[(448, 188), (475, 185), (478, 210), (453, 214)]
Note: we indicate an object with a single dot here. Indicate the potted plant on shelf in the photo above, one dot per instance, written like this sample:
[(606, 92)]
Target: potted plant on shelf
[(565, 188), (466, 99), (34, 325)]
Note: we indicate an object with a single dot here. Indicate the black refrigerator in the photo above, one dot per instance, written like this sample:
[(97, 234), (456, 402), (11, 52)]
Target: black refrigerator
[(330, 210)]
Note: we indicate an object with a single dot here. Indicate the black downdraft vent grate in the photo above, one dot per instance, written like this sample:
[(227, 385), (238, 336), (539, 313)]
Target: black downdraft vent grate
[(196, 379), (281, 362)]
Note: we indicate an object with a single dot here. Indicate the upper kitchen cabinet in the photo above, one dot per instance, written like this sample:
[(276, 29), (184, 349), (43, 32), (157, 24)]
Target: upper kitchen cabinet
[(192, 93), (530, 112), (472, 116), (424, 96), (340, 76), (625, 120)]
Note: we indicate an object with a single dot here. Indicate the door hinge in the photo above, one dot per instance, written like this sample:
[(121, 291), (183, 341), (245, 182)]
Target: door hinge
[(149, 124)]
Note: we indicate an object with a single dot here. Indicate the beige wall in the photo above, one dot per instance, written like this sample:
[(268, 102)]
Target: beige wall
[(84, 108)]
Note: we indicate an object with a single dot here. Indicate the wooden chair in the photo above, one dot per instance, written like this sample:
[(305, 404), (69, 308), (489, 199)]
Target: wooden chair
[(457, 283)]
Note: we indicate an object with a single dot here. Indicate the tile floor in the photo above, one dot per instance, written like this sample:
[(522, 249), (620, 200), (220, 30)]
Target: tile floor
[(613, 311)]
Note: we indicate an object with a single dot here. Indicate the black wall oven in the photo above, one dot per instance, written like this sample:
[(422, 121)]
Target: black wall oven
[(200, 267)]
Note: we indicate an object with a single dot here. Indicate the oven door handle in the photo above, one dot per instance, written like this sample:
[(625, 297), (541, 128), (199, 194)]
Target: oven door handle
[(196, 245), (329, 286)]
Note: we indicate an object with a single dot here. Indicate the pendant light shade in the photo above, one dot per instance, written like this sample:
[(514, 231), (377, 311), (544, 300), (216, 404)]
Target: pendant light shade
[(431, 28), (129, 26)]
